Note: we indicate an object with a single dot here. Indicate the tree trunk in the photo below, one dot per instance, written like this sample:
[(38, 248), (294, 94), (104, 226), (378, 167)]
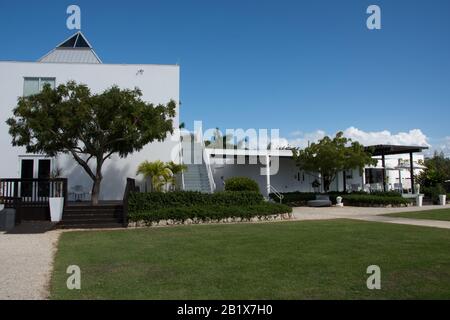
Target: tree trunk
[(97, 182), (96, 191)]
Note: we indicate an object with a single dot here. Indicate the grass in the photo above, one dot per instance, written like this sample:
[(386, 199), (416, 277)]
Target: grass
[(438, 214), (286, 260)]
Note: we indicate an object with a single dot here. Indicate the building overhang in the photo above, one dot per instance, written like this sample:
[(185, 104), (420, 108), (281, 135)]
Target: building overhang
[(248, 153), (386, 149)]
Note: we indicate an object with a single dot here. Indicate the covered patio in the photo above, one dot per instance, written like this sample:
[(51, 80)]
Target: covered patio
[(388, 150)]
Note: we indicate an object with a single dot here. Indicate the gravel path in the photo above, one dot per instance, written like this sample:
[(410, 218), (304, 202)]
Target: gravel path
[(26, 259)]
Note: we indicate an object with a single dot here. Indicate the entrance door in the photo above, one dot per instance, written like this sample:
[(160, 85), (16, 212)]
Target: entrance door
[(35, 169), (27, 172), (44, 173)]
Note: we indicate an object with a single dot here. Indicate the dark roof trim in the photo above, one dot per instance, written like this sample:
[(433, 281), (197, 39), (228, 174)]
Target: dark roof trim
[(386, 149)]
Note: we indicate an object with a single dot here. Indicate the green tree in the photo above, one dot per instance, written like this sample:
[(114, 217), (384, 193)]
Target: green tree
[(437, 171), (220, 141), (91, 127), (330, 156), (175, 169), (160, 173), (157, 171)]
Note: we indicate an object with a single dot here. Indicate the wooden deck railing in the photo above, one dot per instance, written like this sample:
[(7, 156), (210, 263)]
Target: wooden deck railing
[(26, 194), (130, 187)]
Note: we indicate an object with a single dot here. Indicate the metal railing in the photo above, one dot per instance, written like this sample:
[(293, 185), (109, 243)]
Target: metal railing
[(206, 158), (277, 193), (181, 155)]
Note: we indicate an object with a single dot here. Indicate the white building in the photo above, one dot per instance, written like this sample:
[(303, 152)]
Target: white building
[(75, 59)]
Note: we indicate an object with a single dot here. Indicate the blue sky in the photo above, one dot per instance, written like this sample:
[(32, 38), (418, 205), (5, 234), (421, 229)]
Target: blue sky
[(300, 66)]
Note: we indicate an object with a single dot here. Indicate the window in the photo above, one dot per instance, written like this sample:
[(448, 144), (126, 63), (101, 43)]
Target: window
[(35, 85)]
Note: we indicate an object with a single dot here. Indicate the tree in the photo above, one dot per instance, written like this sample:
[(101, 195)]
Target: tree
[(437, 171), (160, 173), (175, 169), (70, 119), (330, 156), (219, 141)]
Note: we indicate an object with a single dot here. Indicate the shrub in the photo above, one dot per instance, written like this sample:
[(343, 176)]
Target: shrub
[(386, 194), (434, 192), (241, 184), (374, 200), (157, 200), (295, 199), (210, 212), (298, 199)]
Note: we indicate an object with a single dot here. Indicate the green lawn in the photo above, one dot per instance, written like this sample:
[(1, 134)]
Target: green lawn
[(286, 260), (438, 214)]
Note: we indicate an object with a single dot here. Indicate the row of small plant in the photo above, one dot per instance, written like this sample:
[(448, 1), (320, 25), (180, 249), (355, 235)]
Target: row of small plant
[(210, 213), (299, 199)]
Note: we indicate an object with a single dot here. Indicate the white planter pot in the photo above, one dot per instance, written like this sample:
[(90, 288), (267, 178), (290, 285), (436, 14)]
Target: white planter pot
[(56, 209), (2, 206), (442, 199), (419, 200)]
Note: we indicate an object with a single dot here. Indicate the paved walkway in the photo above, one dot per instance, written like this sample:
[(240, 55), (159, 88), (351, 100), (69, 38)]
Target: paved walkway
[(370, 214), (26, 260)]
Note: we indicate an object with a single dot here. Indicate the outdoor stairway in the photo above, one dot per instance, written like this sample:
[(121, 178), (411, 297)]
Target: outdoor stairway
[(196, 178), (80, 216)]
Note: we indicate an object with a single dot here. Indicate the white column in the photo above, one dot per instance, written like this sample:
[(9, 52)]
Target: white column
[(268, 175)]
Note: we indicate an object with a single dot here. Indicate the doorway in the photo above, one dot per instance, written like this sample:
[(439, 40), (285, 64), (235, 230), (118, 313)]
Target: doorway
[(35, 168)]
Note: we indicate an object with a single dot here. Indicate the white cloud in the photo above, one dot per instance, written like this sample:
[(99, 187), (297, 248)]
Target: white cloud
[(441, 145), (414, 137), (302, 140)]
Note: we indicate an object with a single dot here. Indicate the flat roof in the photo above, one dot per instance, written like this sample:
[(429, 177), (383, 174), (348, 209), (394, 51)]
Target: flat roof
[(376, 150), (388, 149), (249, 153)]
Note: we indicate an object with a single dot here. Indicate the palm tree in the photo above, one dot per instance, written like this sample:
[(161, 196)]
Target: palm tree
[(157, 171), (219, 141), (175, 169)]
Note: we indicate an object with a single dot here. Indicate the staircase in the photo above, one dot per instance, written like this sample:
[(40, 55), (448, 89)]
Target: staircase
[(84, 216), (196, 178)]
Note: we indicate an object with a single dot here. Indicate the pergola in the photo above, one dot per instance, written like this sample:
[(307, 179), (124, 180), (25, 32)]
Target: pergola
[(384, 150)]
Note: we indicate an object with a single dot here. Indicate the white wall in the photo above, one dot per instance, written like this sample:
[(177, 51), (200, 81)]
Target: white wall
[(159, 84), (286, 179)]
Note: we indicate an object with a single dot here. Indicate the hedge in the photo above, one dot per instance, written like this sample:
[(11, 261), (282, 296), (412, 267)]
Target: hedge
[(139, 202), (299, 199), (359, 200), (295, 199), (241, 184), (210, 212)]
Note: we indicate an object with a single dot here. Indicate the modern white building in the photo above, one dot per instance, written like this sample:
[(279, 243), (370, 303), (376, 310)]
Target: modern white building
[(284, 176), (75, 59)]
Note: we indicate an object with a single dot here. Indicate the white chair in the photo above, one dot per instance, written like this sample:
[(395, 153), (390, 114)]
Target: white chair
[(398, 187), (79, 193)]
